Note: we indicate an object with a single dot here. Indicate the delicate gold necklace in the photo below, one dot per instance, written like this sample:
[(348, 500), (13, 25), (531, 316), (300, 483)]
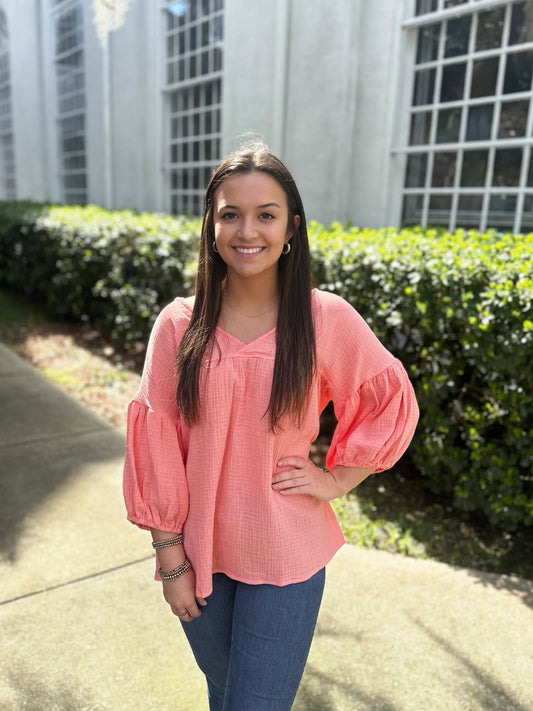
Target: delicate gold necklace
[(234, 308)]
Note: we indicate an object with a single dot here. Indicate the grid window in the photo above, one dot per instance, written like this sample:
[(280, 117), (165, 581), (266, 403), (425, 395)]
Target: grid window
[(470, 153), (194, 53), (8, 181), (71, 102)]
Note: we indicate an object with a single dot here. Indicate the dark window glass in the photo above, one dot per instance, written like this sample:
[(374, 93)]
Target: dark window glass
[(457, 35), (428, 43), (416, 170), (507, 165), (484, 76), (453, 3), (425, 6), (439, 209), (518, 72), (424, 87), (530, 173), (444, 170), (448, 126), (412, 209), (469, 210), (474, 168), (453, 82), (420, 127), (521, 23), (502, 210), (513, 119), (479, 123), (527, 215), (489, 29)]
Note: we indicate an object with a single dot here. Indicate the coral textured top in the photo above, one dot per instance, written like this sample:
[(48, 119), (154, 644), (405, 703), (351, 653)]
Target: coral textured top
[(214, 481)]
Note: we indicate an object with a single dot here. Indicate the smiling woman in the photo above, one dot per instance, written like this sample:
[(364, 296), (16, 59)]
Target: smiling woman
[(218, 464)]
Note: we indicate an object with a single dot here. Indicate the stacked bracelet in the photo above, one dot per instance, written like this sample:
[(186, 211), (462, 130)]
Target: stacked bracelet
[(169, 542), (177, 572)]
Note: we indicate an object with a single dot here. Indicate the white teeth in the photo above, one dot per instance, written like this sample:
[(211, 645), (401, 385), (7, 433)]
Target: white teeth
[(248, 250)]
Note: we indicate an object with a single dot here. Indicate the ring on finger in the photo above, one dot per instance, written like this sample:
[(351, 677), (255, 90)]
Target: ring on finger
[(183, 614)]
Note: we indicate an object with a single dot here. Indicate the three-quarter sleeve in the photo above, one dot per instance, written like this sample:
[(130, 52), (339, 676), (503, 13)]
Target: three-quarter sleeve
[(154, 481), (373, 398)]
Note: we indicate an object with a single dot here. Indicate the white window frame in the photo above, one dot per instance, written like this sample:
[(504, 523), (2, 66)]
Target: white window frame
[(411, 25), (70, 194), (179, 198)]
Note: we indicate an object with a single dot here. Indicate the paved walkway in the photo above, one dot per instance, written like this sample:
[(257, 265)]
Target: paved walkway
[(83, 626)]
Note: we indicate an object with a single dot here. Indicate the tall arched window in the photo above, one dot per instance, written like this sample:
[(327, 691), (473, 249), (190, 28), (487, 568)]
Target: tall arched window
[(71, 113), (469, 158), (194, 39), (8, 181)]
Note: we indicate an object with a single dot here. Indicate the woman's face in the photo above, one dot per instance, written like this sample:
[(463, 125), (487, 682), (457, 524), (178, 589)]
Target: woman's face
[(251, 216)]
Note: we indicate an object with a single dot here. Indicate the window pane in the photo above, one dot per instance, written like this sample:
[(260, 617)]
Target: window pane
[(479, 122), (416, 170), (513, 119), (474, 168), (439, 209), (489, 29), (527, 216), (412, 209), (507, 165), (425, 6), (428, 43), (469, 210), (420, 127), (457, 36), (444, 170), (484, 76), (424, 87), (518, 72), (502, 210), (453, 82), (452, 3), (448, 126), (522, 23), (530, 173)]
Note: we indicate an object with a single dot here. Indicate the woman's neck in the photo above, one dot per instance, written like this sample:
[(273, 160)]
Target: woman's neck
[(252, 297)]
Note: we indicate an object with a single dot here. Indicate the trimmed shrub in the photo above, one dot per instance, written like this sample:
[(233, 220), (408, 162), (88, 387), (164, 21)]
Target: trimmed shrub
[(457, 310), (113, 269)]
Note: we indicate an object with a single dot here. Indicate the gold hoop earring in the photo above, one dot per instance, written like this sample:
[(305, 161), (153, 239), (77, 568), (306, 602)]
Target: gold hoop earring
[(286, 248), (215, 247)]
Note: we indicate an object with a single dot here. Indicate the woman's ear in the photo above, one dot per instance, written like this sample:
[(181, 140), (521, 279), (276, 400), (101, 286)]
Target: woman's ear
[(296, 225)]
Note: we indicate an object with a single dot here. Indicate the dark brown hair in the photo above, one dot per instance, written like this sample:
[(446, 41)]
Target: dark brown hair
[(295, 359)]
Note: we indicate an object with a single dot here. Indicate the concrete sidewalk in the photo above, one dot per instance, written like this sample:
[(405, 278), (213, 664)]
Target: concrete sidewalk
[(83, 626)]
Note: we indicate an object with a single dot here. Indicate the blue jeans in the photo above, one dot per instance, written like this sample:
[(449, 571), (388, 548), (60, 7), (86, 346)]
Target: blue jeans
[(252, 642)]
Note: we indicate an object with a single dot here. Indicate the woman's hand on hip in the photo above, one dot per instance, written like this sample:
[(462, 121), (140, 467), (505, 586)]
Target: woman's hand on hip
[(301, 476), (180, 595)]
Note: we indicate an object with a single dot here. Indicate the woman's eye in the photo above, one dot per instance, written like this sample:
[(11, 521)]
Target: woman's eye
[(266, 216), (229, 216)]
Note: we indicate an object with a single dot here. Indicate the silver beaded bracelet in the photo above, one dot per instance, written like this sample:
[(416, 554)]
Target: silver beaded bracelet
[(177, 572), (169, 542)]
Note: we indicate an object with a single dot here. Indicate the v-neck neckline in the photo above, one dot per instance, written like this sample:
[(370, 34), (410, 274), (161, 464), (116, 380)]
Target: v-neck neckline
[(230, 335), (244, 343)]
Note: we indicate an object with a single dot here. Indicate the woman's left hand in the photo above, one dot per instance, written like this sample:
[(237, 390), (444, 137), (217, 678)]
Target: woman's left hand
[(301, 476)]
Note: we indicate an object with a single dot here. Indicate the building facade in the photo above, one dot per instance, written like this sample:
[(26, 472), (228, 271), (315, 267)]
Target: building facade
[(387, 112)]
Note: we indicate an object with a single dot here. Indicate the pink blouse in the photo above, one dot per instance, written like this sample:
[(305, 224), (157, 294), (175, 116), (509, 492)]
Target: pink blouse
[(214, 481)]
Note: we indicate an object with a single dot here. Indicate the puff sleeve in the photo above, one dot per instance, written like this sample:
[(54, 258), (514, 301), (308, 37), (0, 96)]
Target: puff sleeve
[(373, 398), (154, 480)]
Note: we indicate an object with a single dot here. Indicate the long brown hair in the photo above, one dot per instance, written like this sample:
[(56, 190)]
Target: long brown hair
[(295, 359)]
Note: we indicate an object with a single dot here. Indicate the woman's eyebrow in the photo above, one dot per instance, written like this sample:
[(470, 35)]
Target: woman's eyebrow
[(258, 207)]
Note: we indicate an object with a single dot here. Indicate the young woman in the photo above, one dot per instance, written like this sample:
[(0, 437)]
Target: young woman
[(217, 464)]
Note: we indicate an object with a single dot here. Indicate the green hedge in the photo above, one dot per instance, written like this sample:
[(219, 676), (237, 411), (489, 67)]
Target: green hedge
[(455, 308), (113, 269)]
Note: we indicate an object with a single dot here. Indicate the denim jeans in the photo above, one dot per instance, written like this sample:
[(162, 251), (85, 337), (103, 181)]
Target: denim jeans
[(252, 642)]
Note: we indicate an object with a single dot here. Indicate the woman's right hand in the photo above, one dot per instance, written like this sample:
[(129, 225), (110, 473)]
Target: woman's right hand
[(180, 595)]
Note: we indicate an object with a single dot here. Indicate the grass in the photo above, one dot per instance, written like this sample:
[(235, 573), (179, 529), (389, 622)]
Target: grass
[(391, 511)]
